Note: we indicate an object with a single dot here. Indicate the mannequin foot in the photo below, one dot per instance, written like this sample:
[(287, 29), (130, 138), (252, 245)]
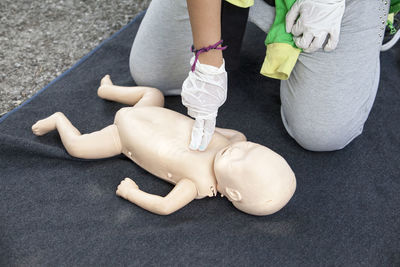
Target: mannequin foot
[(46, 125), (106, 80), (105, 87)]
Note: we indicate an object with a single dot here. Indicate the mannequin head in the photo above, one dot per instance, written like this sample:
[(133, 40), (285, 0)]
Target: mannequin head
[(254, 178)]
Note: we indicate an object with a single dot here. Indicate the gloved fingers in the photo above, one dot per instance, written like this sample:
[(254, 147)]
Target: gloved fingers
[(316, 43), (298, 29), (333, 41), (197, 134), (291, 17), (304, 41), (209, 128)]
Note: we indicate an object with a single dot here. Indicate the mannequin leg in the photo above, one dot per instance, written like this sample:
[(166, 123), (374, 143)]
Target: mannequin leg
[(101, 144), (136, 95)]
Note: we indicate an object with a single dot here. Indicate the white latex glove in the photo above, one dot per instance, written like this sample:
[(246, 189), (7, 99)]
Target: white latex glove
[(315, 20), (203, 92)]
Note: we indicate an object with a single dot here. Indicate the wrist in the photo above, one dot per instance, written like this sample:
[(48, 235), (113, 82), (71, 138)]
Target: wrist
[(212, 57)]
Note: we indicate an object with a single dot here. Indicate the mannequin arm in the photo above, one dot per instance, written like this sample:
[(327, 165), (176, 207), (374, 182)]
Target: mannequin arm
[(233, 135), (182, 194)]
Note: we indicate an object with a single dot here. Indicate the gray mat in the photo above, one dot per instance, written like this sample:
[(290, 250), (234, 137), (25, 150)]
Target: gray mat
[(58, 210)]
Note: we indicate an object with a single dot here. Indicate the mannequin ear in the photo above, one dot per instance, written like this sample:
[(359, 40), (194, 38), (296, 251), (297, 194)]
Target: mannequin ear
[(233, 194)]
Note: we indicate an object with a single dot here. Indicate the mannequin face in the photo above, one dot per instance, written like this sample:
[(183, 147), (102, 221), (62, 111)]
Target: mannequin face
[(254, 178)]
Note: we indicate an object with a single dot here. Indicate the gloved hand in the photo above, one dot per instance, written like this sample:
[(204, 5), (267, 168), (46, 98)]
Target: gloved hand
[(315, 20), (203, 92)]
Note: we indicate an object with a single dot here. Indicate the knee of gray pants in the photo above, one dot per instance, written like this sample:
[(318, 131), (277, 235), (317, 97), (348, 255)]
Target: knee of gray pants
[(316, 136), (320, 125), (160, 53), (328, 97)]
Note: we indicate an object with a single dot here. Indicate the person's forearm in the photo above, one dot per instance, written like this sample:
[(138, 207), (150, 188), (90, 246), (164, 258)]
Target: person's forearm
[(205, 20)]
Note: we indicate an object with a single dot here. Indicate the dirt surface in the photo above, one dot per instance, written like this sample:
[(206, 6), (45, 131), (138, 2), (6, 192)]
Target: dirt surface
[(39, 40)]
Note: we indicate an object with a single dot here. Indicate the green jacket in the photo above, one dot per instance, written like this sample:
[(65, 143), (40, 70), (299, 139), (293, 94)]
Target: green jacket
[(394, 6), (282, 53)]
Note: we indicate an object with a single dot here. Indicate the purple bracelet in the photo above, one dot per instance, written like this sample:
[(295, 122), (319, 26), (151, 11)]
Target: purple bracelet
[(206, 49)]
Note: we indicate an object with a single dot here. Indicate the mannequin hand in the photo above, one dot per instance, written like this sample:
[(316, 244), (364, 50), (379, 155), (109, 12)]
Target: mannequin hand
[(203, 92), (315, 20), (124, 189)]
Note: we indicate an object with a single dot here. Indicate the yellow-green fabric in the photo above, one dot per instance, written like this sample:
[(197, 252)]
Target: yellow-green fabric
[(282, 53), (279, 60), (241, 3)]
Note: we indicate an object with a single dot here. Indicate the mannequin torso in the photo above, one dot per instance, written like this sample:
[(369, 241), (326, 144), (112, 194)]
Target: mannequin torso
[(152, 135)]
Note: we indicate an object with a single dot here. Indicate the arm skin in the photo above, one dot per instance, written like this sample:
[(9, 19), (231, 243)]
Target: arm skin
[(182, 194), (205, 20)]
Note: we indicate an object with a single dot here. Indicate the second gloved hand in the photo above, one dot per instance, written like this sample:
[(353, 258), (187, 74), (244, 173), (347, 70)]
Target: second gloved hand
[(203, 92), (311, 21)]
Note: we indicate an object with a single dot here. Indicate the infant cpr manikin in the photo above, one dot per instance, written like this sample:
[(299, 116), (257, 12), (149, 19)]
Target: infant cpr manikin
[(254, 178)]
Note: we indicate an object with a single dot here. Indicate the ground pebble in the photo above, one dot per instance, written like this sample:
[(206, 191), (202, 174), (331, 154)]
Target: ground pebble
[(39, 40)]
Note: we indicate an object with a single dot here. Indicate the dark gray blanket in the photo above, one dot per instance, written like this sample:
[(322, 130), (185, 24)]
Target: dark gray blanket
[(59, 210)]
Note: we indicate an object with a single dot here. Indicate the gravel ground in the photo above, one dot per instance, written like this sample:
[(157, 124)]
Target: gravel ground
[(41, 39)]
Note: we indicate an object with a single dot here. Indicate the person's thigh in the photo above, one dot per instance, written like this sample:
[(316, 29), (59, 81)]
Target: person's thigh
[(161, 53), (328, 96)]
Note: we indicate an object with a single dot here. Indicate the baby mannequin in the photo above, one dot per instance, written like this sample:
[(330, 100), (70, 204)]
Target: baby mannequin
[(254, 178)]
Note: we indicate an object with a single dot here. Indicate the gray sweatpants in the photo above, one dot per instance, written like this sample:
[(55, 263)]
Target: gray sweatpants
[(328, 96)]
